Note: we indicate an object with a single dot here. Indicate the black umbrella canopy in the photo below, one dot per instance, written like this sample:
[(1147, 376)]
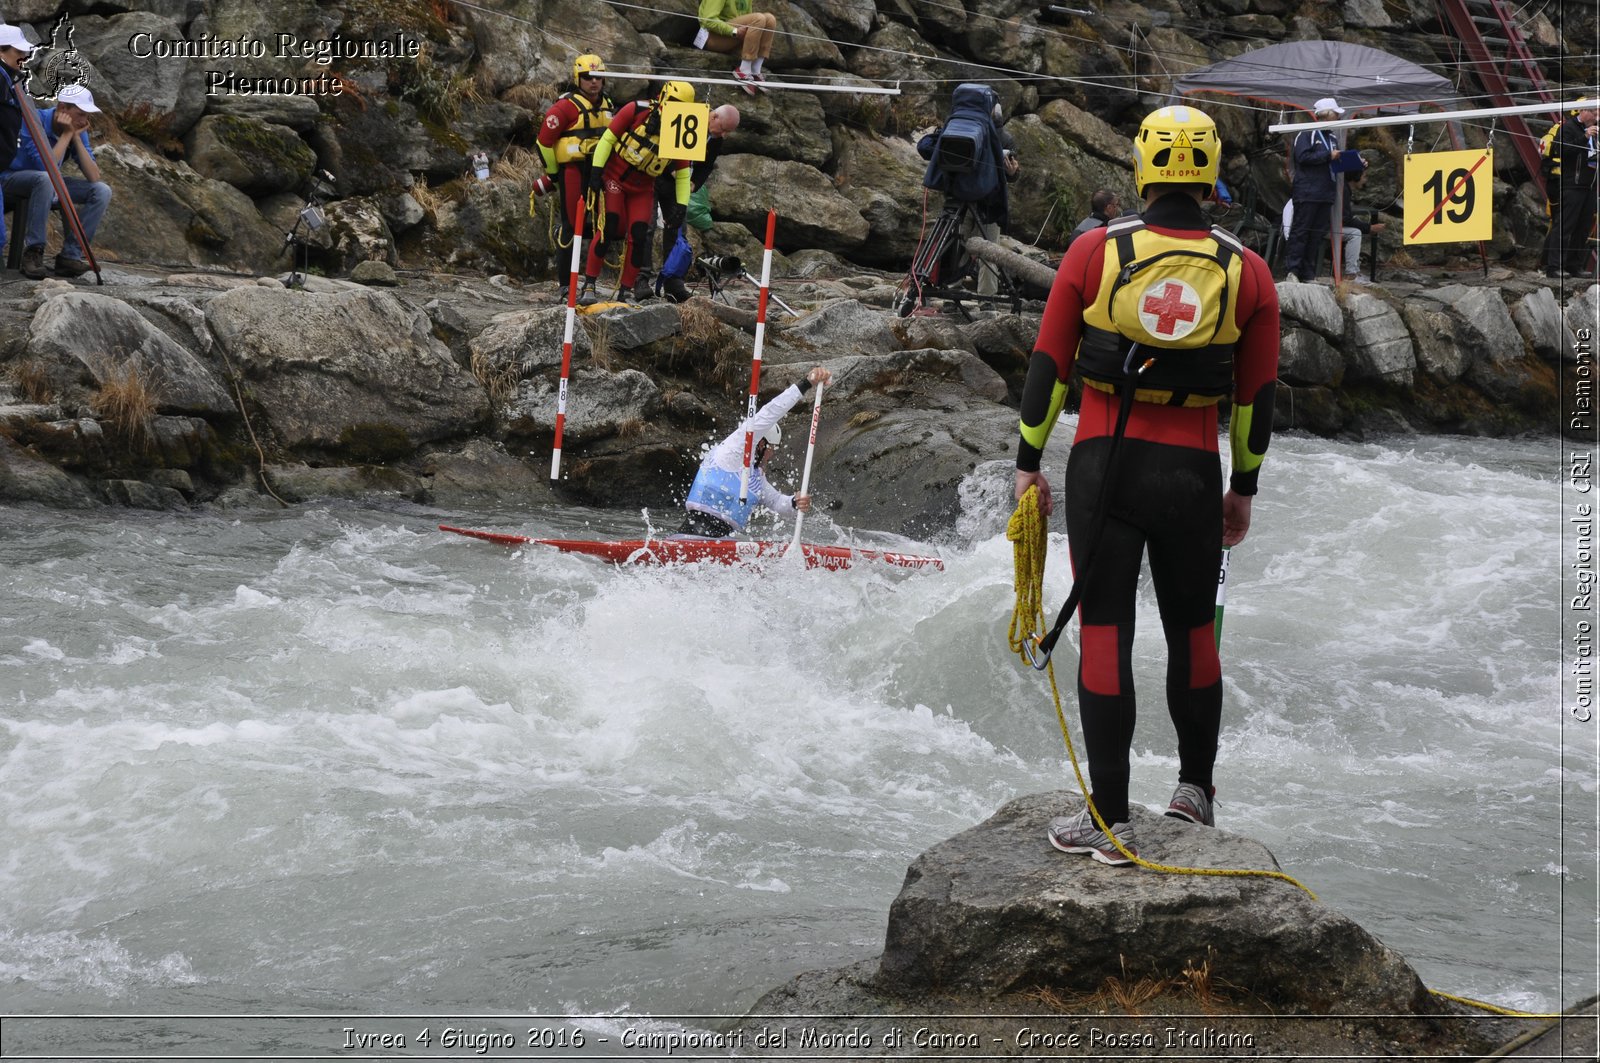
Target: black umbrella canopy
[(1298, 73)]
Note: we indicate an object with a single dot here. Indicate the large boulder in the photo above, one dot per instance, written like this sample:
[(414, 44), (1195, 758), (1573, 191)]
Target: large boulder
[(996, 909), (811, 211), (1537, 316), (599, 403), (157, 96), (355, 371), (256, 157), (87, 340), (1057, 178), (908, 429), (782, 125), (1377, 343), (166, 213), (26, 477), (882, 179)]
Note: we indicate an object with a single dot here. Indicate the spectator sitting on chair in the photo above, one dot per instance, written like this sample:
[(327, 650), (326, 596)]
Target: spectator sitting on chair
[(67, 127), (729, 24), (1353, 227)]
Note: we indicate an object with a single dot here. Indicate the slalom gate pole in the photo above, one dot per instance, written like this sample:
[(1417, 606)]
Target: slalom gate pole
[(811, 450), (69, 209), (755, 362), (566, 353), (1222, 592)]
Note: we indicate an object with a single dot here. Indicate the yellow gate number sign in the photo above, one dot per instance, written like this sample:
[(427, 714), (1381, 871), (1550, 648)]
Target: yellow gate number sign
[(684, 129), (1449, 196)]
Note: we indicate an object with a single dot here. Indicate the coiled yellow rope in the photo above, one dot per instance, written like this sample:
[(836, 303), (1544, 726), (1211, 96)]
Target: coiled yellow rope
[(1026, 532), (1029, 546)]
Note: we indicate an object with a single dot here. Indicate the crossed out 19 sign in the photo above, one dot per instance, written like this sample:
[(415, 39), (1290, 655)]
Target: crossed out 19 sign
[(1449, 196), (684, 129)]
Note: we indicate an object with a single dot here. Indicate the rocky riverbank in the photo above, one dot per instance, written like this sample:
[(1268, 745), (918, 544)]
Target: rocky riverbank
[(163, 389), (194, 375)]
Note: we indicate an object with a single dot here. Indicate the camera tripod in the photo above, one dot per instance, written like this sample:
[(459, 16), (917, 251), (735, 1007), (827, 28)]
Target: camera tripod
[(942, 262), (721, 270)]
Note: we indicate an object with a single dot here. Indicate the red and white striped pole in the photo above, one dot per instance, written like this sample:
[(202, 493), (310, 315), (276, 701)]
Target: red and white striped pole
[(755, 363), (566, 354)]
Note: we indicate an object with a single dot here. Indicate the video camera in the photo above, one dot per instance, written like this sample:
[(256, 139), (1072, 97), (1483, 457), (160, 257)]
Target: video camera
[(721, 265)]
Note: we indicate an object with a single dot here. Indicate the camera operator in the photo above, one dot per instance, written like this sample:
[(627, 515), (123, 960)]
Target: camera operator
[(980, 178), (988, 277)]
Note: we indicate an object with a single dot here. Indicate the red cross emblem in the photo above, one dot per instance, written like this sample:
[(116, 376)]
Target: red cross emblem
[(1171, 308)]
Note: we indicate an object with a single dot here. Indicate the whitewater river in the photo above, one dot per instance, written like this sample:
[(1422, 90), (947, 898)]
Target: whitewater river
[(332, 761)]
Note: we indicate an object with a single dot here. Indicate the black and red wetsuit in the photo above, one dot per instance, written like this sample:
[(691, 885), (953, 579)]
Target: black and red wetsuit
[(1165, 497), (567, 137), (629, 159)]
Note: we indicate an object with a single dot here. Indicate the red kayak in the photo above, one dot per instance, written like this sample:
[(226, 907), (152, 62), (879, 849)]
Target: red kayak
[(723, 551)]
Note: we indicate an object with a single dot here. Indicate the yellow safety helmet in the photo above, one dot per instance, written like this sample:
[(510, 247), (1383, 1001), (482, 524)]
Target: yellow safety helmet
[(679, 91), (587, 64), (1176, 145), (1584, 103)]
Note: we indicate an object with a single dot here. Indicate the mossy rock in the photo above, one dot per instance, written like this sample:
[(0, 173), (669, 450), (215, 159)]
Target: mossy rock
[(256, 157)]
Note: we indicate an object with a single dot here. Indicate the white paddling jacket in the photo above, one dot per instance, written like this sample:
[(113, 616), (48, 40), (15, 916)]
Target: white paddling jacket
[(716, 484)]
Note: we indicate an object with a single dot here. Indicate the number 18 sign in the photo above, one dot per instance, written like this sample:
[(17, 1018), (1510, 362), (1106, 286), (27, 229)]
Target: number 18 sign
[(684, 129), (1449, 196)]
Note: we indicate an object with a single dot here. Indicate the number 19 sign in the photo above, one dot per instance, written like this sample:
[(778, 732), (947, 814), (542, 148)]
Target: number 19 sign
[(1449, 196)]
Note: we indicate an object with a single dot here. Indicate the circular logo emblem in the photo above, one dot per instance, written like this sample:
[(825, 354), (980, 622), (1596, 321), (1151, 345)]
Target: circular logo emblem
[(1170, 309)]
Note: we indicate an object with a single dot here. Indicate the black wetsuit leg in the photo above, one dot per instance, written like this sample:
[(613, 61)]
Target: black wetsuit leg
[(1167, 499)]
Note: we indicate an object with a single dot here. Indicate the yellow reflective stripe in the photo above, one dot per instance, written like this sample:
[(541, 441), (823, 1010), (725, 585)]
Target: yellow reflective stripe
[(1036, 435), (683, 187), (602, 150), (1239, 439)]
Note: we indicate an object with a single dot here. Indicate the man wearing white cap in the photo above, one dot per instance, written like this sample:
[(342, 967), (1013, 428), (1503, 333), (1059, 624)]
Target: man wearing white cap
[(14, 50), (1312, 192), (66, 126)]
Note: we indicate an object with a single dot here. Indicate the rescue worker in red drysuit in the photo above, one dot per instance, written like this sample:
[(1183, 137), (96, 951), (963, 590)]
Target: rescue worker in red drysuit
[(626, 163), (1199, 314), (571, 129)]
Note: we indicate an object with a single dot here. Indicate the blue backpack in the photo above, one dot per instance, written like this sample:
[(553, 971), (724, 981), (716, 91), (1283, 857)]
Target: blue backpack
[(964, 157), (678, 261)]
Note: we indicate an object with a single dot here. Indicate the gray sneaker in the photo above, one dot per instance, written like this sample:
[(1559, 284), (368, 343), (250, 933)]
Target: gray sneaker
[(587, 296), (1192, 803), (1078, 834)]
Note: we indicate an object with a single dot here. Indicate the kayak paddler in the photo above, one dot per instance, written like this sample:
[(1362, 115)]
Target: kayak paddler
[(713, 508)]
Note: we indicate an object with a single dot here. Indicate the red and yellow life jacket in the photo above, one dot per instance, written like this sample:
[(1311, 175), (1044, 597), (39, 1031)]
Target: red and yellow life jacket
[(639, 146), (578, 142)]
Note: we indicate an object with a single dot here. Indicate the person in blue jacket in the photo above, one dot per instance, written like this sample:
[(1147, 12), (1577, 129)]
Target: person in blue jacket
[(713, 506), (1315, 151), (66, 125)]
